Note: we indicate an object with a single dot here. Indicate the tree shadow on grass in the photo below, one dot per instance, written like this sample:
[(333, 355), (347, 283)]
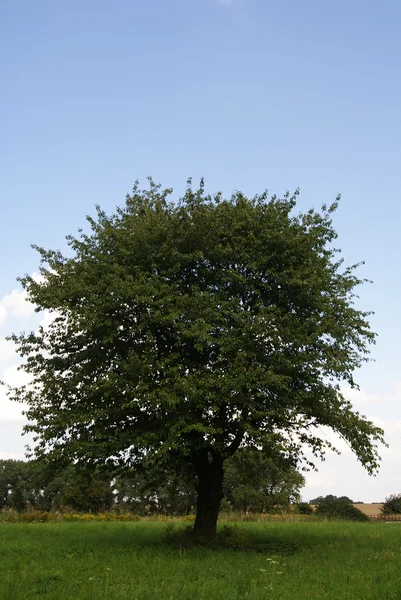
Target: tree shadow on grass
[(143, 537), (149, 537), (230, 538)]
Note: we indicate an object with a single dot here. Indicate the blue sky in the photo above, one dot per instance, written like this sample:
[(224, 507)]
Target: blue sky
[(250, 94)]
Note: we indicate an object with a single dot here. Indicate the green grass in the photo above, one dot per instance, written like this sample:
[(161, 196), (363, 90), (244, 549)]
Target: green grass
[(294, 561)]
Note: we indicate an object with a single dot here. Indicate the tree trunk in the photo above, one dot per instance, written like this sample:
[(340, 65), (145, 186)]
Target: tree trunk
[(209, 469)]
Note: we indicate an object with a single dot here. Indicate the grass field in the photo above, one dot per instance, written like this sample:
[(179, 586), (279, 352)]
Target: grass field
[(294, 561)]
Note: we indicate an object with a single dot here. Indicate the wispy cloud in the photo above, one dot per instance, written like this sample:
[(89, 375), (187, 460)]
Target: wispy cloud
[(7, 350)]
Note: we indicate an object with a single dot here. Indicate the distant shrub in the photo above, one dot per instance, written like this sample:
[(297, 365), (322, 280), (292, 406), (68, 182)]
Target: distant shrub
[(8, 515), (340, 510), (303, 508), (35, 516), (392, 505), (225, 506)]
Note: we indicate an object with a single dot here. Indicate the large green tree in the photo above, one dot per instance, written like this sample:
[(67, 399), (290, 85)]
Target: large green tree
[(188, 329)]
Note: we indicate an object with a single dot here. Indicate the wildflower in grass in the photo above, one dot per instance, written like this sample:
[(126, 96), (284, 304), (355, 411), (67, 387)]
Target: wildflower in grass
[(263, 570), (91, 579), (279, 572)]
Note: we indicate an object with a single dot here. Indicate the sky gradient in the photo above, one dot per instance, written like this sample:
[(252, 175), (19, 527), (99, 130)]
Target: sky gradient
[(250, 94)]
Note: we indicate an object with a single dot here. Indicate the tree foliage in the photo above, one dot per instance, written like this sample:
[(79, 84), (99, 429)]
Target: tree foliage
[(304, 508), (392, 505), (340, 510), (36, 484), (187, 329), (16, 485), (329, 499), (334, 507), (255, 481)]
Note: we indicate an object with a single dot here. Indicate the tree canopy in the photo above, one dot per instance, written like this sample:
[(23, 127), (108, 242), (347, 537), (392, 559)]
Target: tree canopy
[(184, 330)]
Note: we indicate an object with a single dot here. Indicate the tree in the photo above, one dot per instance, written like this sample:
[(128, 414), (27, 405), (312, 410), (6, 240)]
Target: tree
[(304, 508), (256, 481), (189, 329), (13, 483), (331, 499), (340, 510), (392, 505), (21, 484), (81, 488)]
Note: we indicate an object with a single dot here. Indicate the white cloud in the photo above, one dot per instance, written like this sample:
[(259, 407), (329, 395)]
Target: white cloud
[(355, 396), (7, 350), (3, 314), (344, 475), (13, 440), (14, 376), (16, 305), (48, 318), (10, 410), (38, 277)]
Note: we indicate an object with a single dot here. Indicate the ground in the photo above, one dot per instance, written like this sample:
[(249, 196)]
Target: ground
[(121, 561)]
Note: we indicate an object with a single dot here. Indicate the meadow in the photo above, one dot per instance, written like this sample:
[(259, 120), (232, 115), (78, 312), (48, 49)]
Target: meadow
[(133, 561)]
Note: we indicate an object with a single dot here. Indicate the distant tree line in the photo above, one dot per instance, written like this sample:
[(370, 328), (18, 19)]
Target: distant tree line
[(254, 482)]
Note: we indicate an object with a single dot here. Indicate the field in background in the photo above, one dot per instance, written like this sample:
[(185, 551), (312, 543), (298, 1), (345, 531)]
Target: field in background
[(130, 561), (372, 510)]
